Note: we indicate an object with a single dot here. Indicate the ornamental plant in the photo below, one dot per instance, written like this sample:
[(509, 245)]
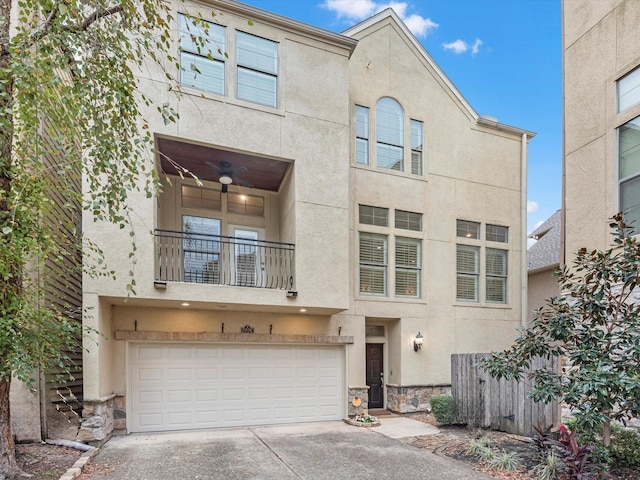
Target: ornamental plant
[(595, 325)]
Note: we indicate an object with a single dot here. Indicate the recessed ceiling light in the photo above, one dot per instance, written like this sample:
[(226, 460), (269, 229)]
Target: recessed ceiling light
[(303, 310), (184, 304)]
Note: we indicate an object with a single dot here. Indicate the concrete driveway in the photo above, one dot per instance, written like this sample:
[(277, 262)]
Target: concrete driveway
[(327, 450)]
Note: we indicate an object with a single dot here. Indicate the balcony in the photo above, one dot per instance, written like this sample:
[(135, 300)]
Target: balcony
[(218, 260)]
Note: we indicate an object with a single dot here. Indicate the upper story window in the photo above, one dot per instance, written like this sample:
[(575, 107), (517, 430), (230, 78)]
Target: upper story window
[(390, 263), (474, 256), (202, 58), (377, 216), (416, 147), (389, 134), (257, 60), (629, 90), (497, 233), (408, 220), (362, 135), (200, 197), (629, 171), (467, 229)]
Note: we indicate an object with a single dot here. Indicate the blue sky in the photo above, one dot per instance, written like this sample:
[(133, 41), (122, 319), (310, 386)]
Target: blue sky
[(503, 55)]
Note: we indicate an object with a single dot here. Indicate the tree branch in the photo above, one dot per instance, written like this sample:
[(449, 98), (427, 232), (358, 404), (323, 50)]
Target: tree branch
[(99, 13), (96, 15), (41, 31)]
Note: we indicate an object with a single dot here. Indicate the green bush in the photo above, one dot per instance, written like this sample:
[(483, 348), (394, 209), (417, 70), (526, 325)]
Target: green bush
[(443, 408), (625, 448)]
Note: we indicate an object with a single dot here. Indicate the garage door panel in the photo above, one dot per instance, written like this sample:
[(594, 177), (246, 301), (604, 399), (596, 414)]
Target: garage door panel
[(175, 387), (233, 373), (179, 375), (258, 373), (149, 374), (283, 373), (178, 353), (206, 373)]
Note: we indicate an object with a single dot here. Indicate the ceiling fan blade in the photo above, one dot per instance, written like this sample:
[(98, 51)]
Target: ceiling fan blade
[(242, 182), (214, 166), (239, 170)]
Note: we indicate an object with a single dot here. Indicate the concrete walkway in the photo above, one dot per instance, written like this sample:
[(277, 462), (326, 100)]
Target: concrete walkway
[(313, 451)]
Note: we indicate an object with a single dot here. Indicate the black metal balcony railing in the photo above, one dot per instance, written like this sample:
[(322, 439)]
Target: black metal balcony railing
[(218, 260)]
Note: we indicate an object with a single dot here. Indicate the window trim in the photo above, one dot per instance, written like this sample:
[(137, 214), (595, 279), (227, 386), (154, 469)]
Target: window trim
[(393, 235), (629, 178), (384, 267), (360, 138), (211, 55), (274, 75), (417, 149), (483, 246)]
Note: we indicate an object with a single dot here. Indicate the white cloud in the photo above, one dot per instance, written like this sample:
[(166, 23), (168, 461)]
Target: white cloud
[(476, 46), (361, 9), (460, 46), (532, 207), (457, 47), (352, 9), (420, 26)]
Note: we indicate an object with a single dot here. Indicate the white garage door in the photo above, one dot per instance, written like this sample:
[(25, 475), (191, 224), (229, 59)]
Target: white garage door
[(178, 386)]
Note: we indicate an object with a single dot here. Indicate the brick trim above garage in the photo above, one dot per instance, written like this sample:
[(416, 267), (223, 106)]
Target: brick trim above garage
[(141, 336)]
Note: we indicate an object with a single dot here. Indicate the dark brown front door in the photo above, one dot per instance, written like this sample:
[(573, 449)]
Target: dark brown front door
[(374, 374)]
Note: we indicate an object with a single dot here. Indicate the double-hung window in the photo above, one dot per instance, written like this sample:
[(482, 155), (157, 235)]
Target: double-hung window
[(416, 147), (373, 263), (475, 255), (377, 239), (408, 266), (362, 135), (257, 60), (467, 272), (389, 135), (629, 90), (628, 134), (202, 58), (629, 171)]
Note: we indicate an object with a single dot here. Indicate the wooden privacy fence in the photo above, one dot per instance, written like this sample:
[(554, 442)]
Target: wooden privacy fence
[(482, 401)]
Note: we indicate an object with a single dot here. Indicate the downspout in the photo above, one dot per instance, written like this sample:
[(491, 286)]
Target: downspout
[(523, 221)]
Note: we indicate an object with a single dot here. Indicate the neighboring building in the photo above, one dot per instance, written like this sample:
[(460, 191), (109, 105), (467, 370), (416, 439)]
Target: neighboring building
[(351, 199), (543, 259), (601, 120)]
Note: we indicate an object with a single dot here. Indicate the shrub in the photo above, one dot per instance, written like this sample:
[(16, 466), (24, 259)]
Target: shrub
[(625, 448), (574, 456), (478, 447), (443, 408), (506, 461), (541, 440), (550, 468)]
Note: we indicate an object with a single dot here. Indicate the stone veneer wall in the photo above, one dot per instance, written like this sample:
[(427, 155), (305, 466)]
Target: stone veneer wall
[(413, 398), (363, 394), (97, 422)]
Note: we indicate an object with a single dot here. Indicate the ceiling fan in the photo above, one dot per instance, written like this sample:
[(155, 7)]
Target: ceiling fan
[(228, 175)]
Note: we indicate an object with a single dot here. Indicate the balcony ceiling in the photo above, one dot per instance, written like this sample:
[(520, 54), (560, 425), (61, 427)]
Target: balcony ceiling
[(262, 173)]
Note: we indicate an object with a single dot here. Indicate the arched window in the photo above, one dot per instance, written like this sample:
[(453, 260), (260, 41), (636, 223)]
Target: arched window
[(389, 134)]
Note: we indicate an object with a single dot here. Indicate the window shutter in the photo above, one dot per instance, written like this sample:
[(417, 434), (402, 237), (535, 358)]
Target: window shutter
[(496, 270), (408, 266), (373, 263), (468, 269)]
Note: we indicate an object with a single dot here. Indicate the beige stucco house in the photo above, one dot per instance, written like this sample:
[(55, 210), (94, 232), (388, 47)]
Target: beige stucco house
[(352, 202), (543, 260), (601, 119)]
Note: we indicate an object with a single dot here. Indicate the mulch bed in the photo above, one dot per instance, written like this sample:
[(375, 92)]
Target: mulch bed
[(45, 461), (453, 441)]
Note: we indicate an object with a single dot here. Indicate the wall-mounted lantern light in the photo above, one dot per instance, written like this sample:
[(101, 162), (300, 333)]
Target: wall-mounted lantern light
[(417, 343)]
